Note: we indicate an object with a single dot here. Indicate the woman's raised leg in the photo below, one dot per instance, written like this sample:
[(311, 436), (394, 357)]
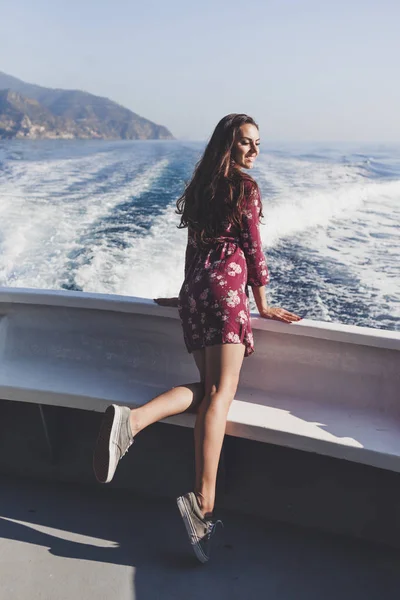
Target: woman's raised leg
[(121, 424), (185, 397)]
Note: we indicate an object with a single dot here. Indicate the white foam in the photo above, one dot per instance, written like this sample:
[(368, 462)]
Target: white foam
[(368, 243), (151, 266), (39, 230), (48, 207), (300, 195)]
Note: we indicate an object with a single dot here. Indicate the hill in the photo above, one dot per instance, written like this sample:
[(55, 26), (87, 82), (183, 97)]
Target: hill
[(33, 111)]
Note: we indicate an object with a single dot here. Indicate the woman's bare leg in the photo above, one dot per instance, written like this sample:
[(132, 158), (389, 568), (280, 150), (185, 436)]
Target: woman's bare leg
[(222, 369), (186, 397)]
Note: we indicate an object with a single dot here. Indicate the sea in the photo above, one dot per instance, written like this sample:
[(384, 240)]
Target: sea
[(99, 216)]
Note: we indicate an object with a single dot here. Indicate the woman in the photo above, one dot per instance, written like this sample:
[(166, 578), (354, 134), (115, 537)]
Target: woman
[(221, 207)]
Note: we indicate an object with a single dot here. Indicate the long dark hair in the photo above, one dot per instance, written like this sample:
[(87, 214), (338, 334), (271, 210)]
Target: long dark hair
[(214, 196)]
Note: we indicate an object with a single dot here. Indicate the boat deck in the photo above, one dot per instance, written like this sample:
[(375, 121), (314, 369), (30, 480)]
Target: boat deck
[(63, 541)]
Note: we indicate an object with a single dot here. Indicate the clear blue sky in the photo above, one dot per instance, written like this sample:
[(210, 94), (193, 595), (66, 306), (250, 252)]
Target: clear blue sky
[(304, 69)]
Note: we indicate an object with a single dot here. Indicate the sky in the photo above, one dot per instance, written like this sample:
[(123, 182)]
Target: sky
[(305, 70)]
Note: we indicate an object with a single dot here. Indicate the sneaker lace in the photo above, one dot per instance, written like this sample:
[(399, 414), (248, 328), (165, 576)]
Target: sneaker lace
[(212, 526)]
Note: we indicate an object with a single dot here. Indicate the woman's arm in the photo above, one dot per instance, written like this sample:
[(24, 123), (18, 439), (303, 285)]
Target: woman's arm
[(260, 298), (257, 270)]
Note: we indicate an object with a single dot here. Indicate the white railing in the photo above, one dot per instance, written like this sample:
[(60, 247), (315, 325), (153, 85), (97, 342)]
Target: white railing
[(321, 387)]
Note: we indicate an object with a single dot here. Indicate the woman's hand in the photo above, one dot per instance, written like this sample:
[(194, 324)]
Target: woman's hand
[(167, 301), (279, 314)]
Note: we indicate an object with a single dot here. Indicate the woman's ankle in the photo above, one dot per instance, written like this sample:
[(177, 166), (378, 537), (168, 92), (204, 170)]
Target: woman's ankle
[(134, 422), (206, 508)]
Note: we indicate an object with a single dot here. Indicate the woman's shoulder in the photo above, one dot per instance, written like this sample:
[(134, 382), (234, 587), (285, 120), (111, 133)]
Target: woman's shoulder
[(247, 181), (241, 182), (251, 190)]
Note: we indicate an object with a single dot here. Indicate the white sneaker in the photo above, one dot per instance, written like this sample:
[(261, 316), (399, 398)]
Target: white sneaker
[(199, 529), (114, 440)]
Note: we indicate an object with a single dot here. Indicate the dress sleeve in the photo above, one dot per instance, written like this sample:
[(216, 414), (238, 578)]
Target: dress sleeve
[(257, 270)]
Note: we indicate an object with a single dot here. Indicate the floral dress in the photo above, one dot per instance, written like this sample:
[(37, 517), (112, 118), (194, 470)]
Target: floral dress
[(214, 298)]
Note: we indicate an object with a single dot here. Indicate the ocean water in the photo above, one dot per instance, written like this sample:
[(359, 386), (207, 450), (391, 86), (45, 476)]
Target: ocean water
[(100, 217)]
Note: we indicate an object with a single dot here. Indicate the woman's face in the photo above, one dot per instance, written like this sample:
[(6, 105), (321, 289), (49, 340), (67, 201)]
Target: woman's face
[(246, 146)]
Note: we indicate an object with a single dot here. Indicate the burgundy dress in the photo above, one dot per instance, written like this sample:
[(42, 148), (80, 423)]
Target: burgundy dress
[(214, 298)]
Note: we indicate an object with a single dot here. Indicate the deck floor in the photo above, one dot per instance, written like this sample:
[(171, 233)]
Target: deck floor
[(59, 542)]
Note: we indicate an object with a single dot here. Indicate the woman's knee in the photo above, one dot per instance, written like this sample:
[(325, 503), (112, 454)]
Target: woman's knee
[(223, 395), (222, 373), (224, 389)]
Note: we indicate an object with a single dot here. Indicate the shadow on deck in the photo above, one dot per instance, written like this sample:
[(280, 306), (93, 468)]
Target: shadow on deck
[(62, 541)]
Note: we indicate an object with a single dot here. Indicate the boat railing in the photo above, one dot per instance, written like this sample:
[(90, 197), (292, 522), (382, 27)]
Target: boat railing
[(321, 387)]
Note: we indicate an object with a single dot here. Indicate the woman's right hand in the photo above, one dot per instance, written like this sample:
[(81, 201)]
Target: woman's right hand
[(279, 314)]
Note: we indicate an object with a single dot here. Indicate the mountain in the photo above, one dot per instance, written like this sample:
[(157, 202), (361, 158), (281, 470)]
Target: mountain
[(33, 111)]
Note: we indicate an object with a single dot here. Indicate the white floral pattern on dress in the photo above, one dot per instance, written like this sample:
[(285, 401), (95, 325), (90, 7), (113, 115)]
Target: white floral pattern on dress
[(204, 294), (234, 269), (232, 298), (249, 338), (233, 337), (242, 317)]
